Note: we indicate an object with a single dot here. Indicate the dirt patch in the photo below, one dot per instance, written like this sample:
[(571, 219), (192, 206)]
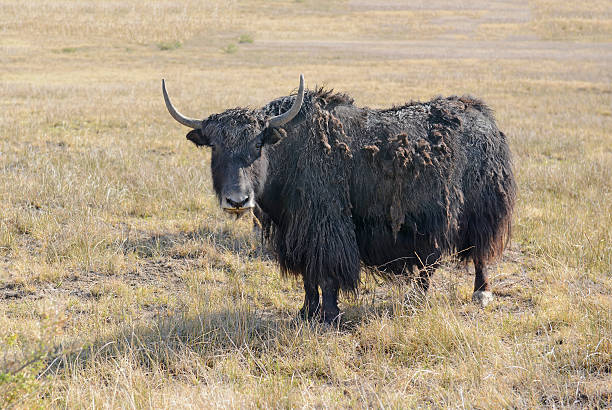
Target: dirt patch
[(149, 273), (10, 291), (497, 5), (444, 49), (460, 40)]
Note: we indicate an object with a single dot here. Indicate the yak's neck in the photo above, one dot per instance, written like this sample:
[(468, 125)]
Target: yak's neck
[(280, 163)]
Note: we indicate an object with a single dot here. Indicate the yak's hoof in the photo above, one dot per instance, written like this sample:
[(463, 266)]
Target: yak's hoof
[(332, 318), (308, 314), (482, 297)]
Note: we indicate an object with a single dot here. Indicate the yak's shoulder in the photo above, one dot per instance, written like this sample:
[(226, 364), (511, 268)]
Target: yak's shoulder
[(328, 99), (321, 97)]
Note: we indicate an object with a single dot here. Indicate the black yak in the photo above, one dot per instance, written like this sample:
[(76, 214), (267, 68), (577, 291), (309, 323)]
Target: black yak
[(341, 185)]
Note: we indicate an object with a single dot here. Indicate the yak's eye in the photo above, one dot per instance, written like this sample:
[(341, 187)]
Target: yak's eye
[(259, 144)]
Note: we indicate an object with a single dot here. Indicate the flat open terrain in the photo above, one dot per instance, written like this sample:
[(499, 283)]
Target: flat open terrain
[(122, 285)]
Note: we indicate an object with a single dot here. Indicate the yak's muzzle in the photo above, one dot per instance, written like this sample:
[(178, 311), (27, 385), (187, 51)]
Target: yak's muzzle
[(237, 204)]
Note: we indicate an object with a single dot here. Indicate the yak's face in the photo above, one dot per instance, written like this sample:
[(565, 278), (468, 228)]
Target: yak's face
[(239, 139), (239, 164)]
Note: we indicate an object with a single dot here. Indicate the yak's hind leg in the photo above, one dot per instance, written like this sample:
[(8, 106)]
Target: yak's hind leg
[(482, 293), (311, 299), (422, 280), (329, 291), (427, 267)]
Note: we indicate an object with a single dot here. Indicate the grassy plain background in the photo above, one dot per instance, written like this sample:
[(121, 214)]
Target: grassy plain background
[(123, 285)]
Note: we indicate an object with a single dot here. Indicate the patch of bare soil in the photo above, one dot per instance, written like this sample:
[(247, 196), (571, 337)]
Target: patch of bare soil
[(10, 291), (149, 273), (446, 49), (491, 12), (459, 40), (460, 5)]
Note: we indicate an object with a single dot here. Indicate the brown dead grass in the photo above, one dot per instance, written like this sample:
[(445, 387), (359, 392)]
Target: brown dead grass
[(578, 21), (123, 285)]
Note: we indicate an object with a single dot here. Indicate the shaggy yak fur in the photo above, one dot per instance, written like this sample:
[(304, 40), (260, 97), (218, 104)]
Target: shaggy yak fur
[(342, 186)]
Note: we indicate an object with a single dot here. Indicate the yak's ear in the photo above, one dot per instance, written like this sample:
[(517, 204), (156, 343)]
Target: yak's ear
[(197, 137), (273, 135)]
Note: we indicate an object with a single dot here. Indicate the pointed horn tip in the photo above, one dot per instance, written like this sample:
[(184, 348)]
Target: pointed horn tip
[(284, 118), (180, 118)]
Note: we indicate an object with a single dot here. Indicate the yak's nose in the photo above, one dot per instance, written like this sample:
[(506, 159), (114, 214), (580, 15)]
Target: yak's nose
[(238, 202)]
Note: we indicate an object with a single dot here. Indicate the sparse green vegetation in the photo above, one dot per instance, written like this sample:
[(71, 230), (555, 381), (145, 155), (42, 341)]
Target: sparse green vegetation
[(123, 285), (245, 39), (231, 48), (169, 45)]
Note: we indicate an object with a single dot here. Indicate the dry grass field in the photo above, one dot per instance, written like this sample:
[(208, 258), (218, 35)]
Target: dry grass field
[(122, 285)]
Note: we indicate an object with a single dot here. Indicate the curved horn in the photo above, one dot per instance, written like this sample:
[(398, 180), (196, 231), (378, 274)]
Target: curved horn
[(190, 122), (287, 116)]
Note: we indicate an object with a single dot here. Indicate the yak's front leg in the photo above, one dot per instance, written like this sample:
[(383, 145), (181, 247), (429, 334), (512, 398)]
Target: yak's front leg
[(329, 290), (482, 293), (331, 251), (311, 299)]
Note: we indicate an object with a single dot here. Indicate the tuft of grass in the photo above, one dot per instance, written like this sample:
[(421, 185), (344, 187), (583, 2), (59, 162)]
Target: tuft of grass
[(231, 48), (169, 45), (26, 359), (245, 39)]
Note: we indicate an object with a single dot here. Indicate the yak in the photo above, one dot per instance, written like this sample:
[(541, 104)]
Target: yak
[(339, 187)]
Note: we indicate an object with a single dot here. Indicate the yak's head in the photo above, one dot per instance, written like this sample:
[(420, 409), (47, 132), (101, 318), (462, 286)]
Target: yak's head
[(239, 139)]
